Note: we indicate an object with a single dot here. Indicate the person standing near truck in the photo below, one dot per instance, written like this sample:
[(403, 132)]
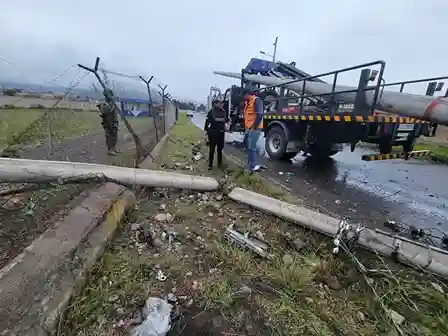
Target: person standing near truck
[(253, 125), (215, 128)]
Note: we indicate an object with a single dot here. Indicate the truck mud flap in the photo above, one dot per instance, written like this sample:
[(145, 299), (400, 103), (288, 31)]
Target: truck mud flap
[(391, 156)]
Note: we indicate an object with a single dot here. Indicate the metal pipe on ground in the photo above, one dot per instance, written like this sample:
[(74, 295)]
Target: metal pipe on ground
[(422, 257), (404, 104), (39, 171)]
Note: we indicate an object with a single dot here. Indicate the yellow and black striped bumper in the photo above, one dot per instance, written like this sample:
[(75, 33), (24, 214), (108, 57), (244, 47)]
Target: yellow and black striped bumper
[(379, 157), (346, 118)]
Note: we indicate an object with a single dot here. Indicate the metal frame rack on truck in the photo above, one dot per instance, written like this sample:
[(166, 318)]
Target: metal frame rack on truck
[(306, 114)]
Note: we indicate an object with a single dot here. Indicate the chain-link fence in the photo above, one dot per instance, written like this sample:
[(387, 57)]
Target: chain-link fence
[(61, 121)]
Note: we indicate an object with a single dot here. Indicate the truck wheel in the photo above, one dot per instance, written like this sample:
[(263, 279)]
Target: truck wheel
[(276, 143)]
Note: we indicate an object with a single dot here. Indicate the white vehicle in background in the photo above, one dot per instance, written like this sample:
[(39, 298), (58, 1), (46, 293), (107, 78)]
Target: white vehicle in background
[(190, 114)]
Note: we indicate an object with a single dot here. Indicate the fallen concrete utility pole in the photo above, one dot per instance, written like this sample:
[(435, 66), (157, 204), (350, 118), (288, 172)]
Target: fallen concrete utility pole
[(404, 104), (430, 258), (40, 171)]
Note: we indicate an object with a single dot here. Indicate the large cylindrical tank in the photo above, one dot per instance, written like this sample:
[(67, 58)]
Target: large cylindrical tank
[(404, 104)]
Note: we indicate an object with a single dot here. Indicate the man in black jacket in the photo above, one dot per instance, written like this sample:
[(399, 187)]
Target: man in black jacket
[(215, 127)]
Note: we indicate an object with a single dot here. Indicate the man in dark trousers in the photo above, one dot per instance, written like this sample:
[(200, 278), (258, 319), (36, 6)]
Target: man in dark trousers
[(109, 121), (215, 127)]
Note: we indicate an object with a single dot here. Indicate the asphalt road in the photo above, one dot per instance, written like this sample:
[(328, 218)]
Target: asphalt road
[(410, 192)]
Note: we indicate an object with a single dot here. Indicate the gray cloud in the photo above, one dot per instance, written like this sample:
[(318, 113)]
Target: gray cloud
[(182, 42)]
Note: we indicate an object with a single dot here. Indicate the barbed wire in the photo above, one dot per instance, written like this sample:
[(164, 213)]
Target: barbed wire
[(21, 69), (49, 82), (155, 81)]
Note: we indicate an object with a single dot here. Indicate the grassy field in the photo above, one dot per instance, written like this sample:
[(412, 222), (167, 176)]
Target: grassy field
[(27, 127), (439, 151), (223, 289), (30, 126)]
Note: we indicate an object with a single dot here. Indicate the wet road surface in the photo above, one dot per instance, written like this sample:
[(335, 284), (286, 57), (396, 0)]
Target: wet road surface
[(413, 192)]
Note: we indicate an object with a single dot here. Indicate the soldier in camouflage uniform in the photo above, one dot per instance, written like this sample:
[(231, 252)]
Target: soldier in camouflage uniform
[(109, 121)]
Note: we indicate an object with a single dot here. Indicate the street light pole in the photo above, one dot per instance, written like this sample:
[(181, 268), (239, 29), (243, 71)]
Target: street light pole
[(275, 49)]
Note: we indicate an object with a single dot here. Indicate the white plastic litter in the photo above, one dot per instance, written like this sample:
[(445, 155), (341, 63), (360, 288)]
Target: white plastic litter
[(157, 318)]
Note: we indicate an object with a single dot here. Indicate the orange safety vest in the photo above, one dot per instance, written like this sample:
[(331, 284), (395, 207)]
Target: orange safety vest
[(249, 113)]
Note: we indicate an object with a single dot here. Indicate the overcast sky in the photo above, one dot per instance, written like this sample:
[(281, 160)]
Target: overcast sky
[(182, 42)]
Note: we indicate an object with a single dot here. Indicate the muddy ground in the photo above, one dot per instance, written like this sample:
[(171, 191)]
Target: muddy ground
[(218, 288)]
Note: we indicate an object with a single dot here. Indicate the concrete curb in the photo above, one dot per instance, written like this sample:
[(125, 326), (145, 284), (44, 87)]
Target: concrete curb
[(36, 287)]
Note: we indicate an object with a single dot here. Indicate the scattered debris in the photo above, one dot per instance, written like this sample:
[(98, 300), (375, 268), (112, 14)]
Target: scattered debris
[(257, 245), (135, 226), (298, 244), (197, 156), (157, 318), (171, 298), (195, 285), (361, 316), (259, 235), (437, 287), (288, 259), (243, 292), (164, 217), (160, 276), (396, 317)]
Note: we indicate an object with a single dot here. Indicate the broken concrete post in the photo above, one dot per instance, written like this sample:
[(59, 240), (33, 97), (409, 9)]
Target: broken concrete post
[(311, 219), (39, 171), (412, 253)]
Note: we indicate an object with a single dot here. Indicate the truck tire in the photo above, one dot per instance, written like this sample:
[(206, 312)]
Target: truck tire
[(276, 144)]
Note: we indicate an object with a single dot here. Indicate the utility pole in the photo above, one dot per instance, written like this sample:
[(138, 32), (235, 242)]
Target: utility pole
[(275, 49)]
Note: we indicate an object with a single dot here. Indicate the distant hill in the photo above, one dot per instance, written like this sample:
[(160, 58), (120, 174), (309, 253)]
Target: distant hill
[(82, 92)]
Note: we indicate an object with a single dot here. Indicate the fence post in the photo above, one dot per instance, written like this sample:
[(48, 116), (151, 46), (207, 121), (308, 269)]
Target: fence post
[(150, 107), (50, 133), (164, 107)]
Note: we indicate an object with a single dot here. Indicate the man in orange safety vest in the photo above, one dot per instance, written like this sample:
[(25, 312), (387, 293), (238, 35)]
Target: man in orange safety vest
[(253, 125)]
